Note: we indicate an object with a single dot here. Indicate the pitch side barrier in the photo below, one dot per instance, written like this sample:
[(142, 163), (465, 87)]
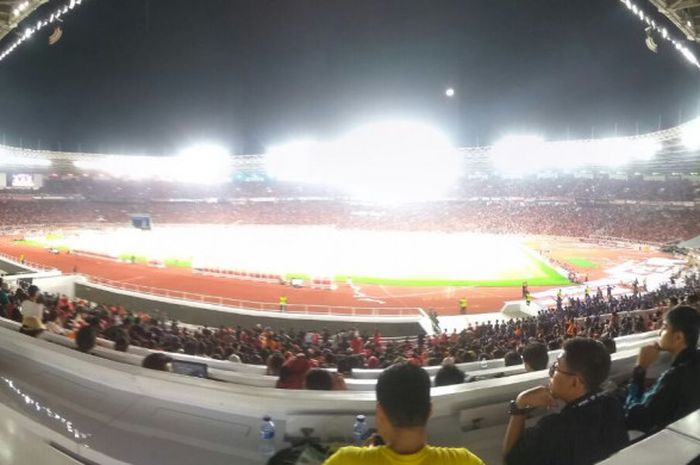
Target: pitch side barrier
[(138, 416), (215, 311)]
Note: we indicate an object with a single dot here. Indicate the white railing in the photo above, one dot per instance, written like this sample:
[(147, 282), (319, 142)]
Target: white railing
[(19, 261), (306, 309)]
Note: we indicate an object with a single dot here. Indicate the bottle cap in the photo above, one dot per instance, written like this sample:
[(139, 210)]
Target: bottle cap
[(360, 418), (267, 418)]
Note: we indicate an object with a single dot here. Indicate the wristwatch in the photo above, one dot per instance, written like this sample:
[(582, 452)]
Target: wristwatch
[(513, 409)]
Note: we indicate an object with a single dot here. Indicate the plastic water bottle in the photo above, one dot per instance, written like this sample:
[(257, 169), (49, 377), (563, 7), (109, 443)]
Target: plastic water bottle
[(267, 437), (484, 363), (359, 430)]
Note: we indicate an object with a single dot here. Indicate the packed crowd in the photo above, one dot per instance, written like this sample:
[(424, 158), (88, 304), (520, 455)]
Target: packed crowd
[(578, 379), (598, 316), (601, 188), (501, 217)]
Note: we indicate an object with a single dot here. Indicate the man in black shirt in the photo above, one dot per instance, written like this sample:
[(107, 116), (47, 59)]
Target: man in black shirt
[(677, 391), (589, 428)]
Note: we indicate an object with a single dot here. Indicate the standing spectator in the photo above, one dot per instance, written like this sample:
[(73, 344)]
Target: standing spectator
[(283, 303), (677, 391), (32, 313), (588, 429)]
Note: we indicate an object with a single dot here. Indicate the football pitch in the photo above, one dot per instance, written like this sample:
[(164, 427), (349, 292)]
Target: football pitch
[(392, 258)]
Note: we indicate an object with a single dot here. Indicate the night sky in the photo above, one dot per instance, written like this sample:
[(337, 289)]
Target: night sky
[(152, 76)]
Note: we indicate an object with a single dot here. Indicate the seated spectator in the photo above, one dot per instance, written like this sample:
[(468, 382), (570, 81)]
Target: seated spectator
[(588, 429), (403, 408), (609, 344), (274, 363), (157, 361), (535, 356), (512, 358), (121, 344), (293, 372), (345, 366), (448, 375), (4, 297), (677, 391), (86, 338), (339, 382), (318, 379), (53, 323)]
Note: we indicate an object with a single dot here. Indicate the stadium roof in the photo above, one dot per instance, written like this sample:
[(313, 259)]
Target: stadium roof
[(685, 14), (12, 12)]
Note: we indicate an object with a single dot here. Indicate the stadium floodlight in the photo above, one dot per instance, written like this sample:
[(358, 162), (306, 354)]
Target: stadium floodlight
[(382, 162), (394, 162), (293, 161), (524, 155), (11, 160), (690, 134), (123, 166), (202, 164), (520, 154)]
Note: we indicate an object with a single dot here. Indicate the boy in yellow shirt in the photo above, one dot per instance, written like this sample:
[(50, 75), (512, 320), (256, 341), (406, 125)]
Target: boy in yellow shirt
[(403, 408)]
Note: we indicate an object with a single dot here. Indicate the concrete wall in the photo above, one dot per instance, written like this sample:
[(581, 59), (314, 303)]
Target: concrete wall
[(211, 315), (7, 267)]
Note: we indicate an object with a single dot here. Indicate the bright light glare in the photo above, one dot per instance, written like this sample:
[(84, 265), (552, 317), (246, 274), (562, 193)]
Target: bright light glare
[(450, 92), (690, 134), (293, 161), (520, 155), (523, 155), (197, 165), (204, 164), (382, 162), (23, 161)]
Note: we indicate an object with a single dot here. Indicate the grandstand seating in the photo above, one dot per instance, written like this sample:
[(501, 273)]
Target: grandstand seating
[(120, 404)]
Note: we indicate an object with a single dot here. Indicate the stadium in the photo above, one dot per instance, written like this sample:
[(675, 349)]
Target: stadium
[(379, 243)]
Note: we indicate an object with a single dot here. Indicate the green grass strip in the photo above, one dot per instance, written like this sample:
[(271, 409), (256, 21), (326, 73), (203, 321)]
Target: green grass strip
[(127, 257), (550, 278), (582, 262), (178, 263), (32, 243)]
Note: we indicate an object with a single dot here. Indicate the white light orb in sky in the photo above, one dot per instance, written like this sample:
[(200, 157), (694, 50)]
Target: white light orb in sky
[(450, 92)]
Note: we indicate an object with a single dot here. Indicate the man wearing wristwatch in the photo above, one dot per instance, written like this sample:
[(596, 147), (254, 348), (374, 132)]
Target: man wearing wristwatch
[(676, 393), (589, 428)]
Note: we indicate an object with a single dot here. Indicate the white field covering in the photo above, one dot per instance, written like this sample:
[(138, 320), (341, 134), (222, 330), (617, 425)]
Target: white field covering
[(320, 251)]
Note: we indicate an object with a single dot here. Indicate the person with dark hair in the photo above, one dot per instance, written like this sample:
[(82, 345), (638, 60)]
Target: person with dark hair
[(32, 313), (345, 365), (274, 363), (86, 338), (589, 428), (535, 356), (448, 375), (512, 358), (293, 372), (157, 361), (403, 408), (121, 343), (609, 344), (676, 392), (318, 379)]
